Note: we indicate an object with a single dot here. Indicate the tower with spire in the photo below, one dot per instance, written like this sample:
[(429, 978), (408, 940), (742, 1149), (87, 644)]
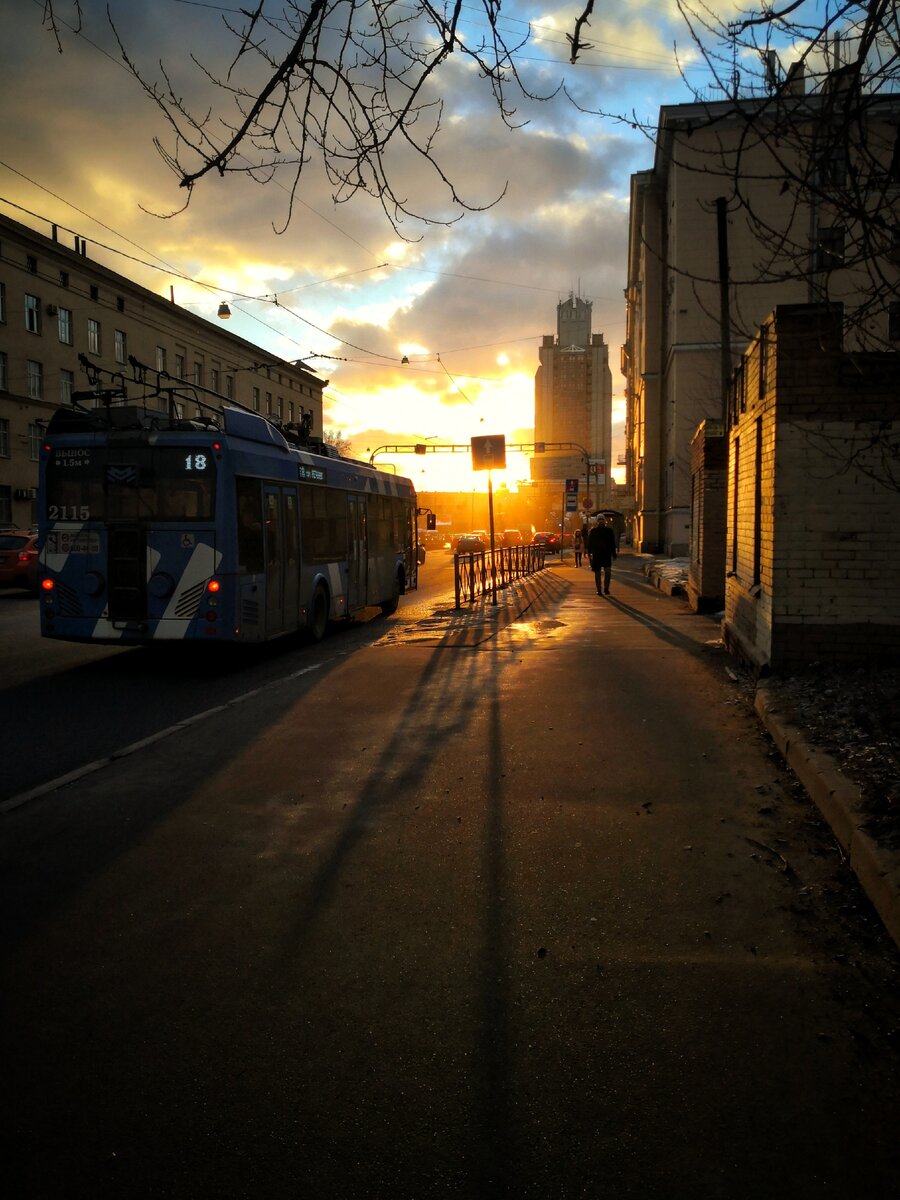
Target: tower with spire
[(573, 398)]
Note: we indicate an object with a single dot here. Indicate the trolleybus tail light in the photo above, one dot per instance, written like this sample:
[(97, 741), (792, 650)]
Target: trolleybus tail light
[(48, 584), (213, 585)]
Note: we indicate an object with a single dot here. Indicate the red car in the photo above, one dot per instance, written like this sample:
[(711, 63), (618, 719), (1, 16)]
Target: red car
[(19, 560)]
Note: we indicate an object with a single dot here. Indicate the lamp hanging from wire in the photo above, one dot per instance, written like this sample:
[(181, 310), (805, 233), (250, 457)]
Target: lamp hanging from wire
[(224, 311)]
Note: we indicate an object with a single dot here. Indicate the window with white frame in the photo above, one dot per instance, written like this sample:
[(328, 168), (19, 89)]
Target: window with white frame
[(5, 504), (179, 366), (35, 375), (34, 441), (4, 438), (161, 360), (229, 386), (120, 348), (3, 303), (93, 336), (32, 313), (214, 378), (4, 384), (66, 386), (64, 319)]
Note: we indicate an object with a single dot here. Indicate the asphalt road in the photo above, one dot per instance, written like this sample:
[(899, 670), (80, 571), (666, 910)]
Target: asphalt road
[(64, 704), (478, 908)]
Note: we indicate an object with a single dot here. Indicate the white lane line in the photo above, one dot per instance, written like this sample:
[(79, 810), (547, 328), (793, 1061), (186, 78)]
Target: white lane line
[(98, 764)]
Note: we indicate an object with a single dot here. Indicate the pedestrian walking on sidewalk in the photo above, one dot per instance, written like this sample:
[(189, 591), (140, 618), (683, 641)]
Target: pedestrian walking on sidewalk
[(602, 550), (578, 546)]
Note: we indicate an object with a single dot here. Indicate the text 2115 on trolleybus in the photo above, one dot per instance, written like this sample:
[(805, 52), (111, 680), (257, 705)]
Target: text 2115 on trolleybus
[(223, 528)]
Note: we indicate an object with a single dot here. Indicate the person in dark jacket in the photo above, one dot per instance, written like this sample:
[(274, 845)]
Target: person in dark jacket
[(602, 550)]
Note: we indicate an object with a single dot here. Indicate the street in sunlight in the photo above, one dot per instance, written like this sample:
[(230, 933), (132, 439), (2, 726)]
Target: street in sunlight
[(513, 902)]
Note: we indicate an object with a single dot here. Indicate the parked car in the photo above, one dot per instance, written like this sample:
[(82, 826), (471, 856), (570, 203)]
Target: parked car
[(470, 543), (511, 537), (19, 560), (550, 542)]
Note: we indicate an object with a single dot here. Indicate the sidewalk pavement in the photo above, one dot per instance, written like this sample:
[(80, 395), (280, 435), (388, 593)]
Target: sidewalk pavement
[(837, 798)]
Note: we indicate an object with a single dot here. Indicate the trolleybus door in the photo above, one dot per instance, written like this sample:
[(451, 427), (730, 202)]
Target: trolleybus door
[(282, 559), (357, 556)]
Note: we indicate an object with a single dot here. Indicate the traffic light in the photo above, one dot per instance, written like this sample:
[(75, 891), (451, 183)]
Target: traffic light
[(431, 521)]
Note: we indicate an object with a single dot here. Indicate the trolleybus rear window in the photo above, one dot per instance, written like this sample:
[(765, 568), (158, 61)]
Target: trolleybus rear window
[(162, 483)]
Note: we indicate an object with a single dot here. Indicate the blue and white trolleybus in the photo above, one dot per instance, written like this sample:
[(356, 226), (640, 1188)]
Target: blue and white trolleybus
[(222, 528)]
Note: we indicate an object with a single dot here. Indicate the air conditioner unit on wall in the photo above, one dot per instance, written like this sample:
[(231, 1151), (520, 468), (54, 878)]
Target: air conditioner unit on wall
[(25, 493)]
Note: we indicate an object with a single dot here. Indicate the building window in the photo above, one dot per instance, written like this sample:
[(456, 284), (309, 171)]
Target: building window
[(120, 346), (64, 323), (32, 313), (66, 386), (95, 292), (4, 438), (3, 303), (256, 399), (35, 377), (214, 379), (198, 373), (833, 167), (3, 380), (6, 505), (830, 249), (34, 441), (894, 320), (31, 263), (268, 404), (93, 336), (120, 303), (161, 359), (64, 279), (229, 386), (291, 411), (179, 366)]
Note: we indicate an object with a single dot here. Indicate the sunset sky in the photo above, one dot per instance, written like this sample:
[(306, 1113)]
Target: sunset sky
[(467, 303)]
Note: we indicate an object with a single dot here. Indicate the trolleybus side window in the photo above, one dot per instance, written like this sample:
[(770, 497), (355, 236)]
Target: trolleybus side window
[(323, 522)]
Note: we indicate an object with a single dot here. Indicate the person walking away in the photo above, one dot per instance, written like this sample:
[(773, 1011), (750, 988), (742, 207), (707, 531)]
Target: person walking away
[(585, 531), (578, 547), (602, 550)]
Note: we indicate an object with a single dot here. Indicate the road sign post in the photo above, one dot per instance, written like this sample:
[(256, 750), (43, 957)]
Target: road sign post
[(487, 453)]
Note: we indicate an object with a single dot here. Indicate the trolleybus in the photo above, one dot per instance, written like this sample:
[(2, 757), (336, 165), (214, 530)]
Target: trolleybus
[(223, 528)]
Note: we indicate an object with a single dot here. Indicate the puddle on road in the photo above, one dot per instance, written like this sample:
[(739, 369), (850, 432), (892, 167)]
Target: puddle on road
[(537, 627)]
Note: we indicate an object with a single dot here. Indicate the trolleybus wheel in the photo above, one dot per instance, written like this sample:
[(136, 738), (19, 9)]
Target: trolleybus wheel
[(390, 606), (318, 614)]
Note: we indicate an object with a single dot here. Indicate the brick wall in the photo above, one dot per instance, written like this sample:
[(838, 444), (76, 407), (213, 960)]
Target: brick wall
[(812, 574)]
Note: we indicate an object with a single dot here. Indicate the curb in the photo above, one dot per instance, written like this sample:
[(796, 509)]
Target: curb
[(839, 801)]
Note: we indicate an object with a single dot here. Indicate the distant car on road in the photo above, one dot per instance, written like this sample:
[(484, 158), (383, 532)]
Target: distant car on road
[(511, 537), (470, 543), (549, 541), (19, 560)]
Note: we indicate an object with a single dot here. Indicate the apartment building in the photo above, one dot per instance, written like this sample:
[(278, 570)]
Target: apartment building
[(748, 205), (57, 305)]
